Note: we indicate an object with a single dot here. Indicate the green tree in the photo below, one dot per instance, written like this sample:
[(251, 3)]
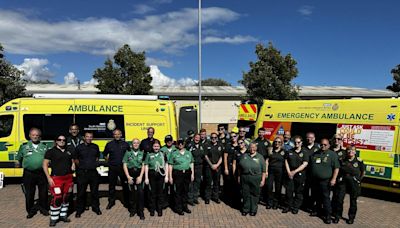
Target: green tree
[(270, 77), (11, 84), (214, 82), (395, 87), (128, 74)]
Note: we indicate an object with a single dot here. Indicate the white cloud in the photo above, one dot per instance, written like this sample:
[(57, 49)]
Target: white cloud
[(230, 40), (158, 62), (160, 79), (70, 78), (143, 9), (92, 81), (35, 69), (171, 32), (306, 10)]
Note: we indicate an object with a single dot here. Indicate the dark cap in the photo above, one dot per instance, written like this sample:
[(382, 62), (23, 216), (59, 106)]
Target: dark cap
[(180, 141), (190, 133), (168, 138)]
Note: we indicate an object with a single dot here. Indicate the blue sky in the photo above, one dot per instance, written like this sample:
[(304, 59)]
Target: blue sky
[(349, 43)]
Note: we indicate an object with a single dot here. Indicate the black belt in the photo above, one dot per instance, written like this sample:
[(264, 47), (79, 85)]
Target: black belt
[(182, 171), (38, 171)]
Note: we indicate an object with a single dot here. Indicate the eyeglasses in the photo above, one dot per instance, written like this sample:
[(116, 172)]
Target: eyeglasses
[(278, 141), (241, 142), (324, 144), (61, 140)]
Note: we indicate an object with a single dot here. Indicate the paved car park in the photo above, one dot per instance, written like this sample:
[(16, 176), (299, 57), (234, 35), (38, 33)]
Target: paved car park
[(374, 210)]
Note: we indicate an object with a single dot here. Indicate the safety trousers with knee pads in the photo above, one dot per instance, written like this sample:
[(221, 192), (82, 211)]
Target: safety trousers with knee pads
[(60, 191)]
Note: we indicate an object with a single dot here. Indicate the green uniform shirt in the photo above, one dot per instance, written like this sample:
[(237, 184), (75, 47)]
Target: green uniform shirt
[(323, 163), (133, 159), (32, 158), (181, 161), (154, 160), (167, 151), (252, 165)]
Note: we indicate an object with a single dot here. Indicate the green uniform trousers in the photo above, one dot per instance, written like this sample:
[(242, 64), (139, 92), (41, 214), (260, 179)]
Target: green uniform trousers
[(250, 192)]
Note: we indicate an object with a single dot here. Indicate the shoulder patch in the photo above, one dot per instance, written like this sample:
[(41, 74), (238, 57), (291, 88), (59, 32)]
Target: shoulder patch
[(359, 159)]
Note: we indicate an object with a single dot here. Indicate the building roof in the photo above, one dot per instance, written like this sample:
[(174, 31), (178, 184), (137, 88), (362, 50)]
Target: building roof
[(306, 92)]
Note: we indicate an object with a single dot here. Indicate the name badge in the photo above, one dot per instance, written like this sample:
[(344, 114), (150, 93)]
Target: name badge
[(29, 153), (318, 160)]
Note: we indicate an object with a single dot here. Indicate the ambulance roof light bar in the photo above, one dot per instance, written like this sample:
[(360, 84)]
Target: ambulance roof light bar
[(95, 96)]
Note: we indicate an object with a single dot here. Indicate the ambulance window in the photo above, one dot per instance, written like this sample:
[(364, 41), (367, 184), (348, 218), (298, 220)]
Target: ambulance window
[(51, 125), (321, 130), (6, 124), (102, 126)]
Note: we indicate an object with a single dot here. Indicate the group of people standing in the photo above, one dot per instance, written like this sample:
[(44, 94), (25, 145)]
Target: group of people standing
[(176, 173)]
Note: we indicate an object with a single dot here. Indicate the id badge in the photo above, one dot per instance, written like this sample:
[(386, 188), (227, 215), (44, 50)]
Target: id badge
[(318, 160), (29, 153)]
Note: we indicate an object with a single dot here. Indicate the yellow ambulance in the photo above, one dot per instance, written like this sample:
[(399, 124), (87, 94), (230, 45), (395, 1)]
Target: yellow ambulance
[(101, 114), (370, 124)]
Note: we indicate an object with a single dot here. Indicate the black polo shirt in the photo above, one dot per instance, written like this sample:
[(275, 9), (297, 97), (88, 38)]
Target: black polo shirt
[(60, 162), (88, 155), (276, 159), (214, 152), (295, 159), (116, 151), (231, 150), (146, 145), (262, 146)]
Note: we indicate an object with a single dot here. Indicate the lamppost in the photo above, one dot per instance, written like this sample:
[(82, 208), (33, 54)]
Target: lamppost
[(199, 66)]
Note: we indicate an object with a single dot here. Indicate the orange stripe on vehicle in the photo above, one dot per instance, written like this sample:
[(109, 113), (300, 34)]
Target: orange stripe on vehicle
[(253, 106), (244, 108)]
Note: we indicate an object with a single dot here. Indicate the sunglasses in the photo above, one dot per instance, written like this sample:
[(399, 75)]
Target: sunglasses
[(61, 140), (338, 138), (241, 142), (242, 131), (233, 136), (213, 137), (278, 141), (221, 129), (297, 142)]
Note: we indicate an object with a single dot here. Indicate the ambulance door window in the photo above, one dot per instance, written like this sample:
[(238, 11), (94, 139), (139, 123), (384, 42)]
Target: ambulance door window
[(51, 125), (6, 125), (102, 126)]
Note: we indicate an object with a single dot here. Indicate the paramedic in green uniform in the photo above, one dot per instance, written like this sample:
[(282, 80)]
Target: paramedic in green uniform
[(197, 150), (252, 172), (134, 170), (167, 150), (352, 170), (156, 176), (31, 155), (324, 170), (181, 173)]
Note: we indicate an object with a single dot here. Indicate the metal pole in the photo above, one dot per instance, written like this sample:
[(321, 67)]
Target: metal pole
[(199, 16)]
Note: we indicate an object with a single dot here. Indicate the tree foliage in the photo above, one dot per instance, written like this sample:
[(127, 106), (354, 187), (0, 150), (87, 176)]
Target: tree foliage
[(127, 74), (270, 77), (395, 87), (214, 82), (11, 84)]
